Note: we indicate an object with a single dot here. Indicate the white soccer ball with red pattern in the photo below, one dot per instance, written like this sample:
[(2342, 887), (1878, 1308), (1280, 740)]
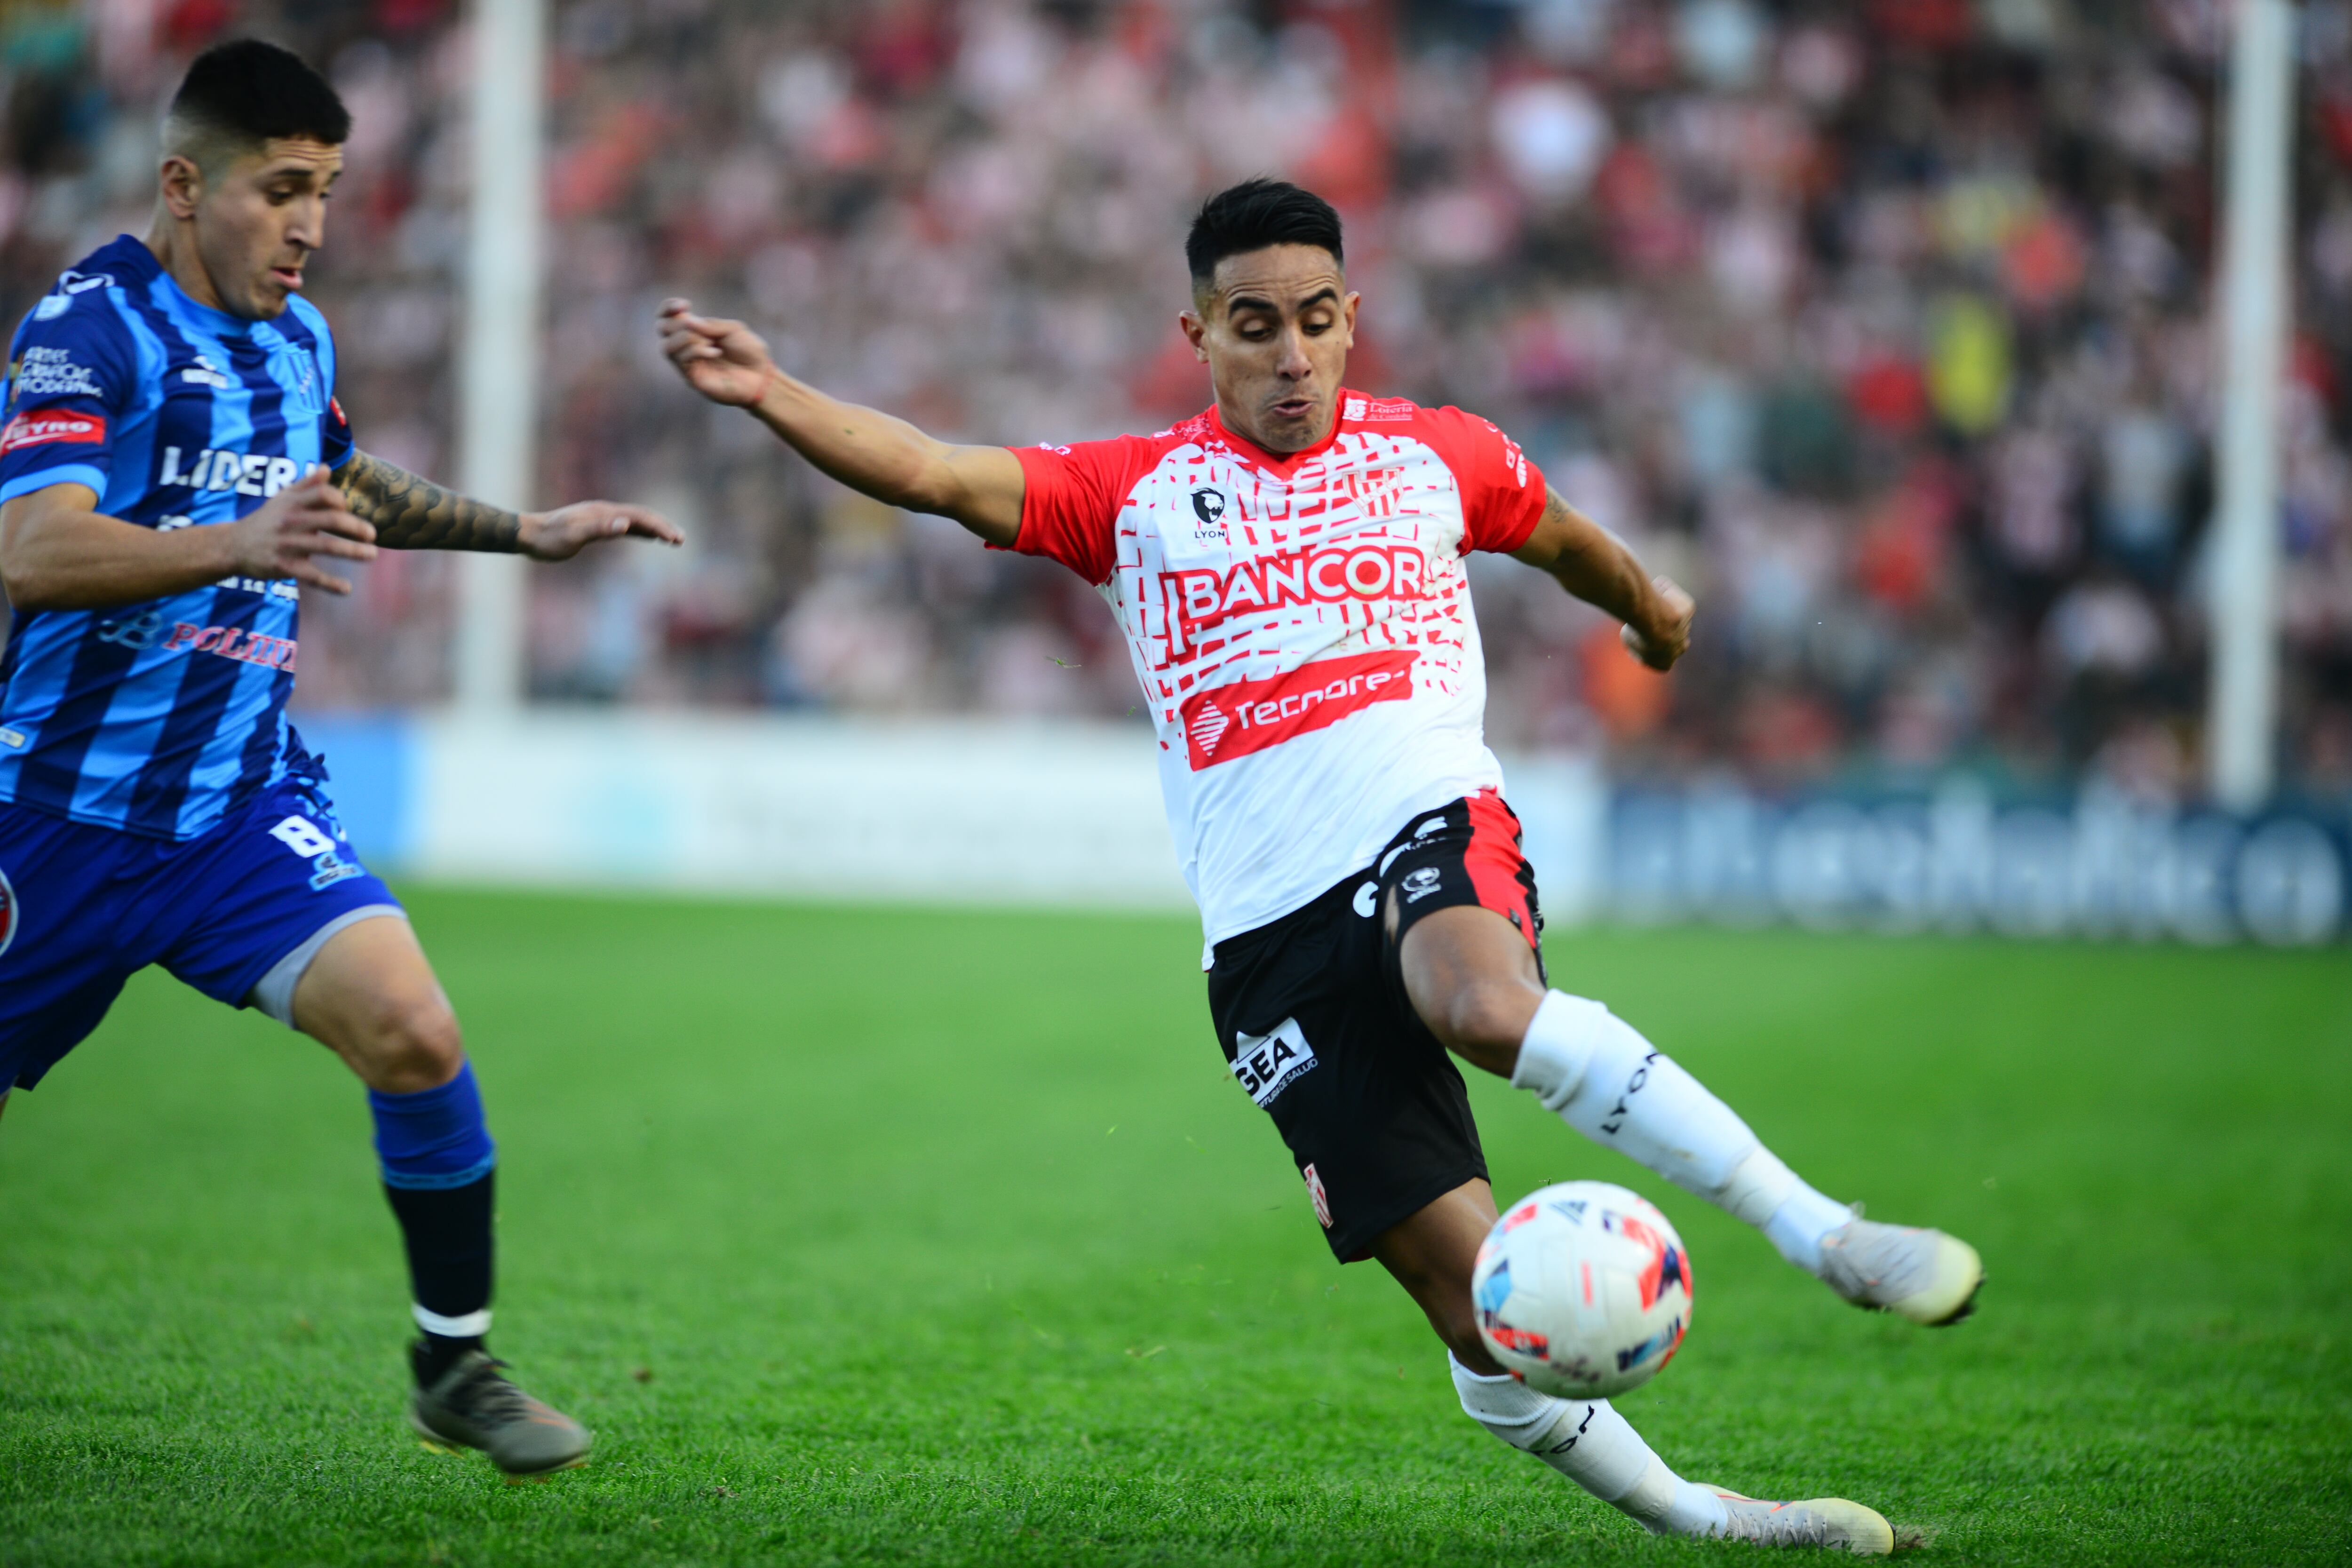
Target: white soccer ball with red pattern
[(1582, 1289)]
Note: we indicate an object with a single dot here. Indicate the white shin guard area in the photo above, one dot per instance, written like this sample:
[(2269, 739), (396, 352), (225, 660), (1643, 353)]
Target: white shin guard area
[(1592, 1445), (1603, 1078)]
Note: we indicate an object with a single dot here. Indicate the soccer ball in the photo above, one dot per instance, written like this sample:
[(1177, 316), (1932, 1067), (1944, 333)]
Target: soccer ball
[(1583, 1290)]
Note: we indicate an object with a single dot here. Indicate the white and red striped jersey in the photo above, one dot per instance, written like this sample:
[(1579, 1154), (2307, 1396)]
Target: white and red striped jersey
[(1301, 626)]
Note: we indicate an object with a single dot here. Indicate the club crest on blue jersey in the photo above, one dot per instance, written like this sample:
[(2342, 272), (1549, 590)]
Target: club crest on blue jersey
[(8, 913)]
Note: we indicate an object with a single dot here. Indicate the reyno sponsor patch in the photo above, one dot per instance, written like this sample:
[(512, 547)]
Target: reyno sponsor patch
[(1245, 716), (1269, 1063), (53, 427)]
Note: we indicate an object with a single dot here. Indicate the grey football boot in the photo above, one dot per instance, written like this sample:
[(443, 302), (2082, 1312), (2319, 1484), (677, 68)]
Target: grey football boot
[(1922, 1275), (472, 1405), (1828, 1522)]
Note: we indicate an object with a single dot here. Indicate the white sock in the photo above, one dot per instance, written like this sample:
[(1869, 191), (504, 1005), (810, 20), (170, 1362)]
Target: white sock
[(1798, 1226), (1592, 1445), (1602, 1077)]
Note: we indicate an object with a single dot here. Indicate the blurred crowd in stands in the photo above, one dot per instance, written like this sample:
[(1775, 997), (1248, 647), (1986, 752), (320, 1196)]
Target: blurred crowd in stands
[(1886, 326)]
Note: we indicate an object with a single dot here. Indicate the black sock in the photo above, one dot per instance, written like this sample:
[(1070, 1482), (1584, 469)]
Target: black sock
[(447, 1233), (432, 1356)]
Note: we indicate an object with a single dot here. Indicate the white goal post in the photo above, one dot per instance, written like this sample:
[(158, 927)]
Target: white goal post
[(499, 364), (2251, 311)]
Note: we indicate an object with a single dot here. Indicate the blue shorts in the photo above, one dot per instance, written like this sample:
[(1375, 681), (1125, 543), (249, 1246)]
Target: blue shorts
[(82, 909)]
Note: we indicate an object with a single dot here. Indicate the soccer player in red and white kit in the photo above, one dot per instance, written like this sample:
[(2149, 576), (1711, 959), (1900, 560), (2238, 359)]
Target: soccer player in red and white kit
[(1288, 567)]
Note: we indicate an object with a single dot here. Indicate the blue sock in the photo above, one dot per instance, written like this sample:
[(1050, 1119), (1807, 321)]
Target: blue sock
[(438, 1166), (435, 1138)]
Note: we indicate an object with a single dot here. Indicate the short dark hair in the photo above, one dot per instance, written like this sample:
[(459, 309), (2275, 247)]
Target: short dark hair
[(1254, 214), (245, 92)]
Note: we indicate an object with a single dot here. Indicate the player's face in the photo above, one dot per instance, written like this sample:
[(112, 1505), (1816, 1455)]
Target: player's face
[(1275, 326), (259, 221)]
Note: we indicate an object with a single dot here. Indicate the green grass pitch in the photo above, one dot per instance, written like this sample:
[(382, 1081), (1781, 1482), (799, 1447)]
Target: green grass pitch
[(914, 1237)]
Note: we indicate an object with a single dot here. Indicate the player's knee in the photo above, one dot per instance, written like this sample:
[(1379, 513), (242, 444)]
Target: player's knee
[(1484, 1020), (414, 1044)]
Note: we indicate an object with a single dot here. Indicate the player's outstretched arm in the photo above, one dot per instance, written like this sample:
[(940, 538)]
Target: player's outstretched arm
[(58, 552), (886, 457), (1595, 565), (413, 513)]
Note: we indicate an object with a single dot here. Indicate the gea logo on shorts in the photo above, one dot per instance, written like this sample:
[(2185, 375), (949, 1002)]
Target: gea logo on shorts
[(1266, 1063), (8, 913)]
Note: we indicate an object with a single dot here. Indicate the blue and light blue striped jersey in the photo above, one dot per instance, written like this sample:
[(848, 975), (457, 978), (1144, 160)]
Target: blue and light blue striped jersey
[(159, 718)]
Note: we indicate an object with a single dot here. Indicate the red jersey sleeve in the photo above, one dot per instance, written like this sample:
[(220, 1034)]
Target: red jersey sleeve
[(1502, 493), (1071, 498)]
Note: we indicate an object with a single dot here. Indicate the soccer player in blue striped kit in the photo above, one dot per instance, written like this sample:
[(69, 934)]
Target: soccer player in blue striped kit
[(174, 469)]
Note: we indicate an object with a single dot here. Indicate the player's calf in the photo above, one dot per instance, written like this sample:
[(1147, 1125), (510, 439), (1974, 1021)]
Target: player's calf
[(370, 996), (1433, 1254)]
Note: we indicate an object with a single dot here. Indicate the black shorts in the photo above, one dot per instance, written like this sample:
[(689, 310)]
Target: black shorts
[(1312, 1013)]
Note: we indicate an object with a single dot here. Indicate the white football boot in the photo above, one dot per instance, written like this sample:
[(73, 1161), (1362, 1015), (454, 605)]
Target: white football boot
[(1922, 1275), (1827, 1521)]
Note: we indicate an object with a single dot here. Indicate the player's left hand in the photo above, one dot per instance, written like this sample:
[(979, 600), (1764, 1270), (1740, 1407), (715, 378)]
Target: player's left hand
[(563, 533), (1666, 637)]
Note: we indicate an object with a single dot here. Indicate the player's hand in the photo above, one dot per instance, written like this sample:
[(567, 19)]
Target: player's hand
[(293, 528), (724, 361), (1666, 636), (560, 534)]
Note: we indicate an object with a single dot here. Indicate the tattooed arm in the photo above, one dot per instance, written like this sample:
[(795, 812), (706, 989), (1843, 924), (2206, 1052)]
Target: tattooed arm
[(411, 513)]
